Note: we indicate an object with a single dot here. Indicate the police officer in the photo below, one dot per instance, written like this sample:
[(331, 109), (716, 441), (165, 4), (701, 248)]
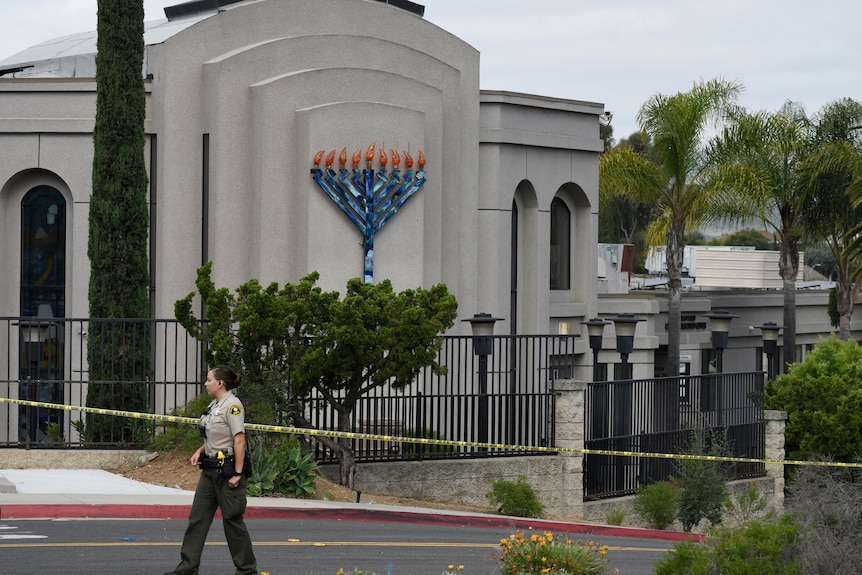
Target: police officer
[(222, 483)]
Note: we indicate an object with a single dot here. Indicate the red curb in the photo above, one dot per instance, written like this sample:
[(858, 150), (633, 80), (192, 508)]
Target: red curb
[(181, 512)]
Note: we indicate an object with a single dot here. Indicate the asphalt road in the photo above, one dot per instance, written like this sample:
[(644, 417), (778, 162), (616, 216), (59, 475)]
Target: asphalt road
[(282, 547)]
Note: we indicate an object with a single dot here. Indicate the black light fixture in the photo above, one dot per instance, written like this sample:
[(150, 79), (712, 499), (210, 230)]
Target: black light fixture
[(625, 325), (483, 346), (482, 325), (719, 320), (595, 331), (769, 333)]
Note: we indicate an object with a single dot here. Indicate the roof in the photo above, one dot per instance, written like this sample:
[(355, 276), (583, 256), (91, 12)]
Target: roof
[(74, 56)]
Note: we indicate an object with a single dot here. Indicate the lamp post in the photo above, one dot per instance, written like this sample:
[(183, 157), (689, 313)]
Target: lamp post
[(625, 325), (719, 320), (483, 332), (769, 332), (598, 393)]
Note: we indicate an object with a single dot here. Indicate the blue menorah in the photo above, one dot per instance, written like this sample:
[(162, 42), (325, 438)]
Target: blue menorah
[(367, 196)]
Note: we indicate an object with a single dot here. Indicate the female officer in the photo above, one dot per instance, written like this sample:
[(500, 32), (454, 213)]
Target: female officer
[(222, 483)]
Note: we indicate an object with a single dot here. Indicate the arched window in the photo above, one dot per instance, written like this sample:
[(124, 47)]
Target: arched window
[(43, 253), (561, 245)]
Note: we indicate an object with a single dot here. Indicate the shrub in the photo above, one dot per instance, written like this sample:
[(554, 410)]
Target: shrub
[(759, 548), (182, 434), (616, 516), (657, 504), (517, 499), (547, 554), (702, 480), (747, 506), (823, 400), (827, 503)]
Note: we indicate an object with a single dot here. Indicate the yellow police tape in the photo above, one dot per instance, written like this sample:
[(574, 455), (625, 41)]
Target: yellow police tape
[(369, 436)]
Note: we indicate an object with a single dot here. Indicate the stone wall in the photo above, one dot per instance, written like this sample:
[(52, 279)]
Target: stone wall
[(70, 458), (557, 479)]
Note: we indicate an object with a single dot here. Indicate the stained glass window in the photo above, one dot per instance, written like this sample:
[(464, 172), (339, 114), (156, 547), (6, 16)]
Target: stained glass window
[(43, 253)]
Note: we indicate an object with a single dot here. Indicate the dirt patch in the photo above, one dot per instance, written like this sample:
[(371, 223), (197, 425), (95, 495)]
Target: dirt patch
[(172, 469)]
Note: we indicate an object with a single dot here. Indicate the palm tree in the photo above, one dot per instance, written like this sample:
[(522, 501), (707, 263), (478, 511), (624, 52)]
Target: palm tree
[(834, 174), (756, 162), (672, 181)]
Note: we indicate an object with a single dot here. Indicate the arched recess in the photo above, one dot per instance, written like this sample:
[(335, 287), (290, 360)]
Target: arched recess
[(35, 207), (17, 195), (570, 245), (524, 264)]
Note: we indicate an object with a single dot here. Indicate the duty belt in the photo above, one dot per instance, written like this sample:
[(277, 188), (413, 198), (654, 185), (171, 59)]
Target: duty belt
[(217, 462)]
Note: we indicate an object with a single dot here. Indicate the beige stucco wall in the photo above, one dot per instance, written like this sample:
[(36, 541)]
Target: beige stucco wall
[(270, 83), (273, 82)]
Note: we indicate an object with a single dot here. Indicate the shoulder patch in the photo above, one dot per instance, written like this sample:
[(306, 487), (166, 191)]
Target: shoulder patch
[(234, 410)]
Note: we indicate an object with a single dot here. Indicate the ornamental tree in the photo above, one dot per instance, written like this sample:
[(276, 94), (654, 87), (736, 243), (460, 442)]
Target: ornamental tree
[(119, 226), (296, 339)]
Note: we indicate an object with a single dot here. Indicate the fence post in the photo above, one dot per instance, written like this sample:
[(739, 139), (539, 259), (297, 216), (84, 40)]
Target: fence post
[(775, 422), (570, 434)]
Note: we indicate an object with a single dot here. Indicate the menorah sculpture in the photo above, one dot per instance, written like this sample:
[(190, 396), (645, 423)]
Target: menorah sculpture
[(368, 197)]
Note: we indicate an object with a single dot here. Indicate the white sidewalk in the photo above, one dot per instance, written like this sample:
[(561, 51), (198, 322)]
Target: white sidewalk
[(80, 482)]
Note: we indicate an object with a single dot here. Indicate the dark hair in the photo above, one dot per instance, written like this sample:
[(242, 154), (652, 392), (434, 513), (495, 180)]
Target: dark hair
[(226, 374)]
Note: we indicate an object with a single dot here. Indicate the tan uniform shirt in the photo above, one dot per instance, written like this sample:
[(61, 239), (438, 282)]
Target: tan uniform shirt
[(225, 419)]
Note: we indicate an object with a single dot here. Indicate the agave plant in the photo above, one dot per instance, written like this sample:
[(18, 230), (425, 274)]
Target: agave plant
[(296, 478), (264, 470)]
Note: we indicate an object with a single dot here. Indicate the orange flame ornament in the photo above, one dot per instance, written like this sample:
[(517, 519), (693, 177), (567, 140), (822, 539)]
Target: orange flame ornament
[(396, 159), (383, 159), (421, 160), (342, 157), (318, 156), (369, 155), (330, 157), (408, 160), (357, 157)]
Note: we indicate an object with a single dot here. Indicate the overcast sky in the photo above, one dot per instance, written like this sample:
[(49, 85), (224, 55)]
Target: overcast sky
[(616, 52)]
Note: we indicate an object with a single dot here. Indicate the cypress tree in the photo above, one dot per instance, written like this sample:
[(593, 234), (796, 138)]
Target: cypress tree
[(119, 225)]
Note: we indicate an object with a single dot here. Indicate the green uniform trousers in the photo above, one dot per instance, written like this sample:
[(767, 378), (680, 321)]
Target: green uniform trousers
[(214, 492)]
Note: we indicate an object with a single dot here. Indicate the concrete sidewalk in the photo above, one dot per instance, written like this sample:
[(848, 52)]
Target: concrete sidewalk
[(99, 494)]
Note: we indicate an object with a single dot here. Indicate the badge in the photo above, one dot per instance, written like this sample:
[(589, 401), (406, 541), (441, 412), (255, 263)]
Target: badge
[(234, 410)]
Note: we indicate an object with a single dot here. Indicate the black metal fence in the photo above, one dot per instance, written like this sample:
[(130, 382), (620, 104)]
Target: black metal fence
[(45, 360), (503, 399), (660, 416), (500, 398)]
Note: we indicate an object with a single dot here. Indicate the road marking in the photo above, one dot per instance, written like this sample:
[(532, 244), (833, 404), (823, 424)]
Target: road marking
[(294, 544)]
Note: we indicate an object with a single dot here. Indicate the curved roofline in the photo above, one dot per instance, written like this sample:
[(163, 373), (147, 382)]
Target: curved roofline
[(75, 55)]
